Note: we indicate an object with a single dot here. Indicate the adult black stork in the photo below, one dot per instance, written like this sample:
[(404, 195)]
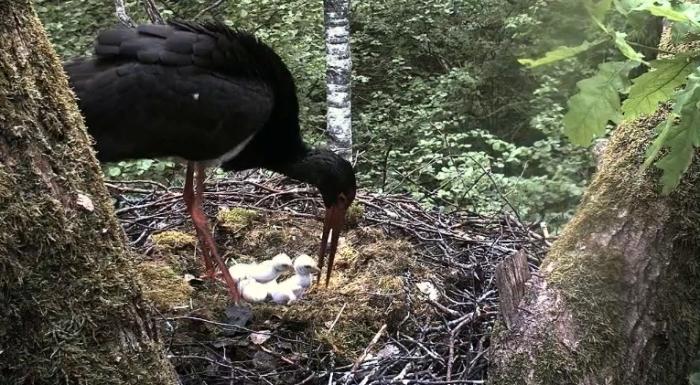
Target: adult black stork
[(212, 96)]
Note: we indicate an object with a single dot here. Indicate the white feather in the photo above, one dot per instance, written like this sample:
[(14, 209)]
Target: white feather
[(252, 291), (262, 272)]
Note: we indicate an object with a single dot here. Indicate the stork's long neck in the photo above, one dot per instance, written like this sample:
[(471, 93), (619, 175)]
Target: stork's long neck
[(308, 166)]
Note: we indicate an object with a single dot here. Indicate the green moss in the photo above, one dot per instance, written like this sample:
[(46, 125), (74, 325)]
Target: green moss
[(170, 240), (162, 286), (235, 219), (354, 214), (73, 312)]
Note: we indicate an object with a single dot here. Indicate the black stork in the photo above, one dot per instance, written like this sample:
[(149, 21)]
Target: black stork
[(213, 96)]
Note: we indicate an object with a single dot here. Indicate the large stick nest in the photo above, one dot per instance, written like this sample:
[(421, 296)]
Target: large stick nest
[(412, 299)]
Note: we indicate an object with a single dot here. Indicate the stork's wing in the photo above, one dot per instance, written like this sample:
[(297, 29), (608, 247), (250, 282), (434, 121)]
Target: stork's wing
[(166, 90)]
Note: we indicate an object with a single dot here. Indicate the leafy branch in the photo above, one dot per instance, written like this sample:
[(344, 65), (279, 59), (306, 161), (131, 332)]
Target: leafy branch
[(598, 101)]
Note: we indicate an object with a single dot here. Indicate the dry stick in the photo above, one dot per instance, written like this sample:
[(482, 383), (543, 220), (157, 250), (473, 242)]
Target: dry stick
[(361, 358), (453, 334), (208, 8), (337, 317)]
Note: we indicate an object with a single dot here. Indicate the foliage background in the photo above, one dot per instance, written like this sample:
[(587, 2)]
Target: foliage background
[(441, 107)]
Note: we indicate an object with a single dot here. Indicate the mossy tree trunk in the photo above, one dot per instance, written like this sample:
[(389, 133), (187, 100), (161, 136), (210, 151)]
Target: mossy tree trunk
[(617, 300), (70, 307)]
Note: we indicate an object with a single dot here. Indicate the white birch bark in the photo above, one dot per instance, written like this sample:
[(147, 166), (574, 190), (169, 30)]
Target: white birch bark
[(122, 15), (338, 70)]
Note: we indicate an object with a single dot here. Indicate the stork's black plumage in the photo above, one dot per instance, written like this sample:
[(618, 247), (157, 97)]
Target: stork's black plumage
[(210, 95)]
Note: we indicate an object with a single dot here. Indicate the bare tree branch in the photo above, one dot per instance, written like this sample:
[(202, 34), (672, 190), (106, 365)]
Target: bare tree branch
[(209, 8), (152, 11), (122, 15)]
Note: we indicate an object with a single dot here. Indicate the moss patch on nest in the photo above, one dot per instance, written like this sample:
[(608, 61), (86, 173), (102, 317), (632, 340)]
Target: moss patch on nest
[(173, 240), (177, 248), (235, 219), (354, 214), (162, 286)]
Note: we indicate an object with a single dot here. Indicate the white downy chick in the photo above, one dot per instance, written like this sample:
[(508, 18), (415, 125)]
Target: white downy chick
[(280, 296), (295, 286), (264, 271), (252, 290)]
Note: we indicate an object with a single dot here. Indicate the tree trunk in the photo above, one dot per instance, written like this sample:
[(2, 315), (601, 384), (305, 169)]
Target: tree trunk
[(71, 308), (617, 300), (338, 73)]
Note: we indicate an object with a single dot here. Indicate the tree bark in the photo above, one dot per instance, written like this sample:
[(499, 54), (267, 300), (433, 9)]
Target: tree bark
[(338, 75), (617, 300), (71, 309)]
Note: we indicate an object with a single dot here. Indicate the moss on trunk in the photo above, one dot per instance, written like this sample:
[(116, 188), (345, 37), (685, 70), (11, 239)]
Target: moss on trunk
[(71, 309), (618, 297)]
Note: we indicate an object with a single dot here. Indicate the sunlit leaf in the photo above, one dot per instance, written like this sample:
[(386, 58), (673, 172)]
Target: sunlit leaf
[(625, 48), (560, 53), (657, 85), (114, 171), (679, 139), (667, 12), (597, 102), (627, 6)]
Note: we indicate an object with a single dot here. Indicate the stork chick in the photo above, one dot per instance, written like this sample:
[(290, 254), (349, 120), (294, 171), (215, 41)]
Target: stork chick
[(252, 290), (295, 286), (264, 271)]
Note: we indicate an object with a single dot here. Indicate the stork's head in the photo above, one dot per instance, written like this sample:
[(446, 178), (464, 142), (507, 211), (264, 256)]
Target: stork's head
[(335, 179), (281, 263)]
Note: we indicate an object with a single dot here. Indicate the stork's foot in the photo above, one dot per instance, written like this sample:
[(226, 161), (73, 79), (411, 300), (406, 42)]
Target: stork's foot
[(213, 276)]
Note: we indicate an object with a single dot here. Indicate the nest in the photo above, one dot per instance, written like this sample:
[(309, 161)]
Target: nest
[(412, 299)]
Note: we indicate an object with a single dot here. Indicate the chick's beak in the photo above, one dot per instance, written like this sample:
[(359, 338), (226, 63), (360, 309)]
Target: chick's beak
[(333, 224)]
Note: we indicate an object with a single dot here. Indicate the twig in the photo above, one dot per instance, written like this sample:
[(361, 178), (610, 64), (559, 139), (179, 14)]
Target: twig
[(361, 358), (330, 328), (208, 8)]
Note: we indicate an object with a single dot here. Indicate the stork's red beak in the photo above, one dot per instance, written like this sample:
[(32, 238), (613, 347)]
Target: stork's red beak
[(334, 222)]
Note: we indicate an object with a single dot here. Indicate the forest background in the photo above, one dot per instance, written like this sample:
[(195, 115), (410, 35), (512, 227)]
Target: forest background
[(441, 107)]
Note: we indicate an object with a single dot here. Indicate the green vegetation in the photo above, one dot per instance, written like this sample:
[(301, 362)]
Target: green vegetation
[(598, 101), (441, 108)]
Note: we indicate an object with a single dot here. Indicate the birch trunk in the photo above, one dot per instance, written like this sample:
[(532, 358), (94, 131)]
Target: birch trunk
[(71, 310), (617, 300), (338, 75)]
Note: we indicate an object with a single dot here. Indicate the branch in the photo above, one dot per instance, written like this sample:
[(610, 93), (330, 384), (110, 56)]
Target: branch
[(210, 7), (152, 11), (122, 15)]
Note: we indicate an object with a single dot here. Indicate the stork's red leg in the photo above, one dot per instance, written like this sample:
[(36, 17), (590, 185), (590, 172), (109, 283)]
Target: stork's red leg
[(201, 223), (188, 195)]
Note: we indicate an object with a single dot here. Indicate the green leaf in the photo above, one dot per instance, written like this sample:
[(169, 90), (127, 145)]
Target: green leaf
[(560, 53), (664, 8), (667, 12), (114, 171), (657, 85), (680, 139), (627, 6), (625, 48), (597, 102)]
